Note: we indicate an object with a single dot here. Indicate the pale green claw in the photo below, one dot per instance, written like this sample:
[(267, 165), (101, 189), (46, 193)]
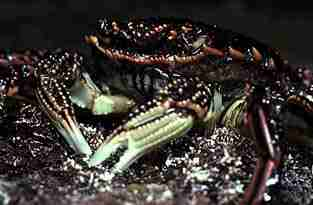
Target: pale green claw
[(86, 94), (141, 134), (70, 131), (53, 97)]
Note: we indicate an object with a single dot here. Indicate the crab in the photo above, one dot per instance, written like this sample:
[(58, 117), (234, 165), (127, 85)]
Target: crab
[(169, 75)]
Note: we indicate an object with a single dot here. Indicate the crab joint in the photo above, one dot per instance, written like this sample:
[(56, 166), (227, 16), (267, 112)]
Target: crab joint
[(187, 104)]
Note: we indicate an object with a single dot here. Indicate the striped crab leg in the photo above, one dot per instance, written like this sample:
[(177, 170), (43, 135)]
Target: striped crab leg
[(60, 82), (170, 114), (264, 121), (252, 118), (54, 74), (42, 77)]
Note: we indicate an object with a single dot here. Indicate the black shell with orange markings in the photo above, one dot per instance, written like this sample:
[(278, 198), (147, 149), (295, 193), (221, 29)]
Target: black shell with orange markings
[(188, 47)]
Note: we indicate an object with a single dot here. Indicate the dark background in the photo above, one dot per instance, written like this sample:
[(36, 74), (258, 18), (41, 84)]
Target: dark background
[(62, 23)]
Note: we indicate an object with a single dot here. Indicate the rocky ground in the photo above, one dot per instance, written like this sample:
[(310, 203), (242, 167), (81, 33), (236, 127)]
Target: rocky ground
[(36, 167)]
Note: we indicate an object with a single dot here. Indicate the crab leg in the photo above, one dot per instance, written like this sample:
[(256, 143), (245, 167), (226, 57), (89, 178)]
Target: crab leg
[(169, 115), (257, 118), (59, 86), (256, 125), (48, 76), (60, 111), (141, 134), (53, 75)]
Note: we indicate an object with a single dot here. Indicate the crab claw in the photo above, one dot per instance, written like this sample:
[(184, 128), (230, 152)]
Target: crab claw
[(68, 127), (85, 94), (152, 128), (52, 92), (61, 113)]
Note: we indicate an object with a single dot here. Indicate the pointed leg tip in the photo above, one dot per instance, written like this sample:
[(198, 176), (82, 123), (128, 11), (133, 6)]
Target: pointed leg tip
[(92, 162), (99, 156), (86, 151), (96, 159), (79, 145), (117, 171)]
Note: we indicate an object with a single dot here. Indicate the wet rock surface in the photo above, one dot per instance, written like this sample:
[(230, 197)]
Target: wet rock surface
[(36, 167)]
